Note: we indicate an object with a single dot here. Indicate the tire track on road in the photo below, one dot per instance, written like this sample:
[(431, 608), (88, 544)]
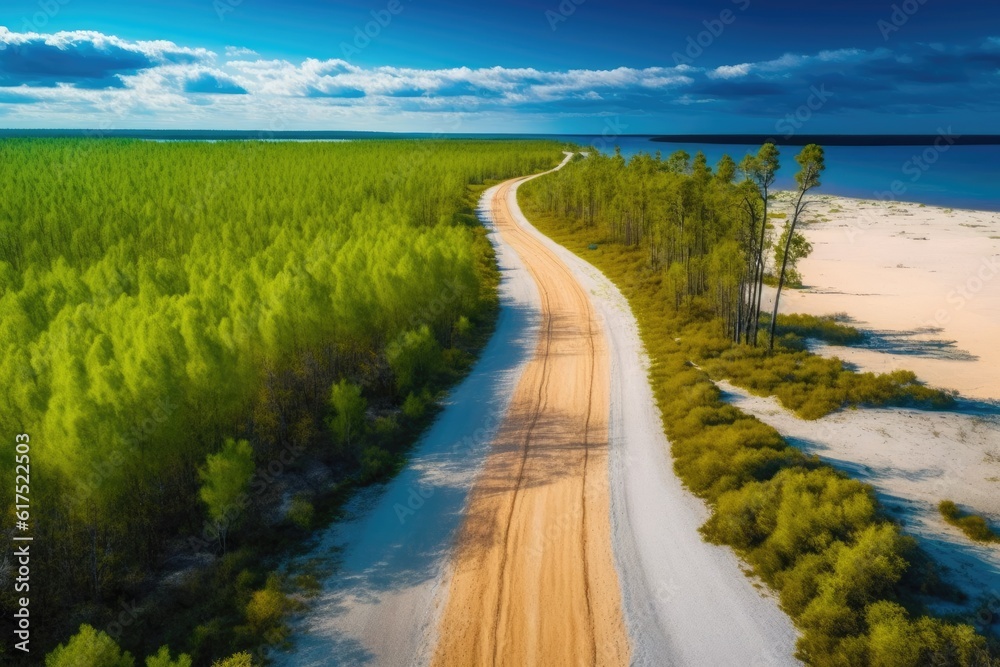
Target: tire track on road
[(534, 579)]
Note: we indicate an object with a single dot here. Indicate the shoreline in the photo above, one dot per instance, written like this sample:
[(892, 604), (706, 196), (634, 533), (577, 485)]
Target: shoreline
[(909, 276)]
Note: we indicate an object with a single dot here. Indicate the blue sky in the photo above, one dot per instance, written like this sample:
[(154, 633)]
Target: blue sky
[(584, 66)]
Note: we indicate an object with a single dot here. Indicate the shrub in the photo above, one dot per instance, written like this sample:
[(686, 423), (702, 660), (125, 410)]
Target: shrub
[(265, 612), (416, 360), (825, 328), (162, 659), (347, 423), (377, 464), (415, 406), (89, 647), (301, 513), (974, 526), (243, 659), (463, 327)]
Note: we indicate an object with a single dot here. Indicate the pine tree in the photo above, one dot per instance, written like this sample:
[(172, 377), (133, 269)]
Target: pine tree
[(89, 647), (225, 479)]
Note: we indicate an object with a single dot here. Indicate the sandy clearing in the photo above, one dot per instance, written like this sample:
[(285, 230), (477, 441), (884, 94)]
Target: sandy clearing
[(918, 274), (391, 555), (534, 579), (914, 460), (686, 602)]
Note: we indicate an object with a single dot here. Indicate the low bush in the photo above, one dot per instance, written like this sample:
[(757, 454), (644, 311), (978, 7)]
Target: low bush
[(974, 526), (301, 513), (826, 329), (89, 647), (813, 386)]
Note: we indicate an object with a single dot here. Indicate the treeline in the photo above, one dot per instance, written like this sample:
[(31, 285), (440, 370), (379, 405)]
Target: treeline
[(709, 230), (162, 299), (859, 590), (708, 238)]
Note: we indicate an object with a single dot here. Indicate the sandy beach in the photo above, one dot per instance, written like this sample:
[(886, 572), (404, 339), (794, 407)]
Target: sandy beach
[(925, 280)]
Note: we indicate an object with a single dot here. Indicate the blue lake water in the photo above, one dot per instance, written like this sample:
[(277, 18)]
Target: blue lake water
[(959, 177)]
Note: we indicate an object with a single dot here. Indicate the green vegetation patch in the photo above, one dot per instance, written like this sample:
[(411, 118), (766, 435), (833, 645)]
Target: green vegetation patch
[(974, 526), (826, 329)]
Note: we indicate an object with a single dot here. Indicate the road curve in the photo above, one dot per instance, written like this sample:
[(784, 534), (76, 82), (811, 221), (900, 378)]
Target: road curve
[(533, 574)]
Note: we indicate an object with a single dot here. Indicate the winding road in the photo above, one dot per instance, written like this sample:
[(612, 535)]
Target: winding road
[(539, 521)]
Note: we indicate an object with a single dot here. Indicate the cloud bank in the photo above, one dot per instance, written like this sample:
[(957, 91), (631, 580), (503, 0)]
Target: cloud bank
[(83, 78)]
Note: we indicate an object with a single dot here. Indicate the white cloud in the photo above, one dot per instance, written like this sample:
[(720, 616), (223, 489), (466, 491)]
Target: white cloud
[(730, 71), (239, 52), (173, 85), (157, 50)]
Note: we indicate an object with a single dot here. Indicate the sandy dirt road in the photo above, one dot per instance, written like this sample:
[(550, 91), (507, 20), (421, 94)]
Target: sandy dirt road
[(534, 579), (392, 598)]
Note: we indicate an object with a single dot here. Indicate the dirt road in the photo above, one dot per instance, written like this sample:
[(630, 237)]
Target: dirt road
[(534, 580), (503, 542)]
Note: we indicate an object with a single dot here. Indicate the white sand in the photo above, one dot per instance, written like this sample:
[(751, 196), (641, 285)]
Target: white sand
[(686, 602), (917, 273), (914, 460)]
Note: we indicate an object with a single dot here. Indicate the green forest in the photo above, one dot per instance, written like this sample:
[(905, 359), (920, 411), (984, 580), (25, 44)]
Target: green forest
[(185, 323), (691, 248)]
